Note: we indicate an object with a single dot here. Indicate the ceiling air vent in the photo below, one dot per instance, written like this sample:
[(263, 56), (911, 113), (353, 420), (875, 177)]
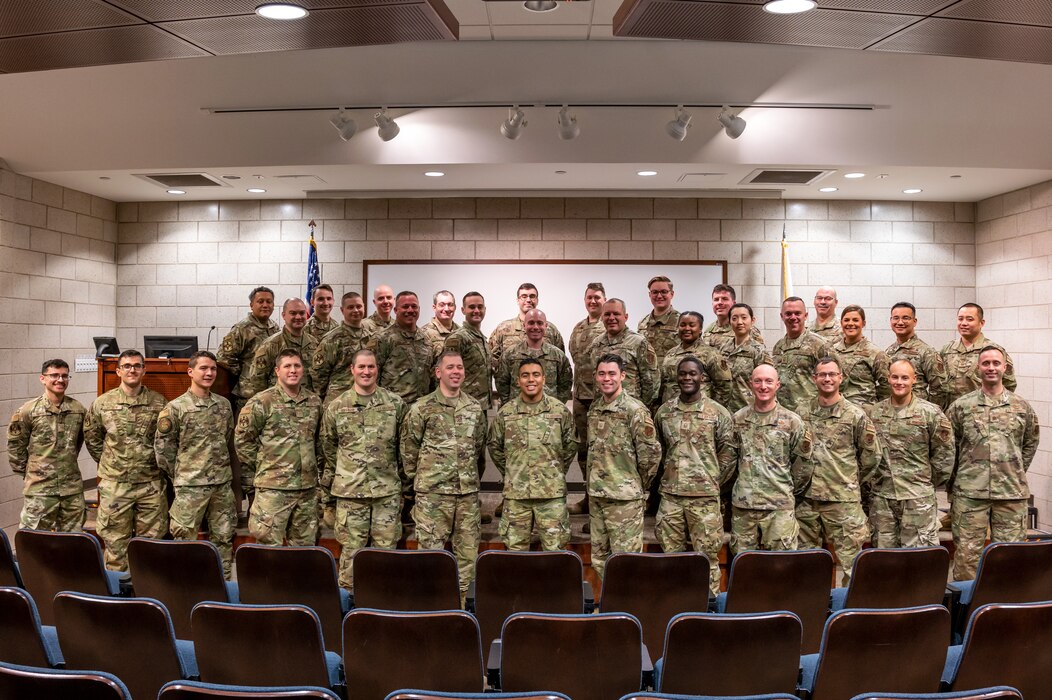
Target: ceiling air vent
[(784, 177), (182, 180)]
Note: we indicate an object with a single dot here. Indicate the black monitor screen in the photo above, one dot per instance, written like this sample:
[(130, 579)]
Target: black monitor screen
[(106, 346), (169, 345)]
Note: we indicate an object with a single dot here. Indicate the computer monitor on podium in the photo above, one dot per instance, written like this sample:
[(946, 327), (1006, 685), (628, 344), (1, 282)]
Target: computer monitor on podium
[(169, 346)]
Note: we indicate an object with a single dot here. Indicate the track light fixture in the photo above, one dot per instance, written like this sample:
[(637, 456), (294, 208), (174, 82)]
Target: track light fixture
[(511, 128), (733, 125), (678, 127), (344, 125), (567, 125), (386, 128)]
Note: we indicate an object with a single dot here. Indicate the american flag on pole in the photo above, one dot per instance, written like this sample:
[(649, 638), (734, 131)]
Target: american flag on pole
[(313, 268)]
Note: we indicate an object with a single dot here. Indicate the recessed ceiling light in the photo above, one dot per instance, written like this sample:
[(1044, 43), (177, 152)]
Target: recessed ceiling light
[(560, 172), (256, 190), (434, 173), (231, 177), (827, 189), (955, 177), (540, 5), (176, 191), (854, 176), (789, 7), (281, 10), (647, 173), (104, 177), (912, 190)]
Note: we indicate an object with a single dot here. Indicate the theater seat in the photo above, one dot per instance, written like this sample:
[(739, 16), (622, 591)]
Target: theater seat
[(56, 684), (23, 640)]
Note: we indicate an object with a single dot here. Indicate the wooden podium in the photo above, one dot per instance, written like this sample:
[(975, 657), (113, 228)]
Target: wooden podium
[(165, 376)]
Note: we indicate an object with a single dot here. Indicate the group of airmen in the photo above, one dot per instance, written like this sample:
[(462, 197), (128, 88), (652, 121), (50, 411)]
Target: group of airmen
[(824, 439)]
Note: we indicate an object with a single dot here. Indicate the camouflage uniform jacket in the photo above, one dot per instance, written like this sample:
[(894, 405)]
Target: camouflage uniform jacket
[(581, 338), (623, 449), (662, 332), (743, 359), (441, 440), (927, 363), (317, 329), (437, 333), (193, 440), (918, 449), (796, 359), (642, 377), (331, 364), (239, 346), (119, 431), (275, 440), (996, 440), (558, 377), (716, 335), (830, 330), (698, 446), (471, 344), (373, 324), (716, 373), (405, 359), (508, 333), (962, 368), (532, 446), (359, 439), (845, 450), (774, 455), (260, 375), (865, 368), (43, 442)]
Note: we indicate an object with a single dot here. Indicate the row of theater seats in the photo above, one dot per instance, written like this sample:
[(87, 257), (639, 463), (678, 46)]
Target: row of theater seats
[(652, 587)]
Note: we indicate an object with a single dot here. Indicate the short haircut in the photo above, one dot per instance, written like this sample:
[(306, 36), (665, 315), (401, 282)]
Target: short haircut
[(531, 361), (448, 353), (974, 306), (260, 290), (829, 359), (349, 295), (615, 300), (288, 352), (907, 361), (326, 287), (359, 353), (794, 299), (434, 299), (200, 354), (527, 285), (726, 288), (741, 305), (694, 314), (905, 305), (464, 301), (1004, 355), (856, 308), (130, 353), (596, 287), (57, 363), (291, 300), (689, 358), (405, 293), (659, 278), (611, 357)]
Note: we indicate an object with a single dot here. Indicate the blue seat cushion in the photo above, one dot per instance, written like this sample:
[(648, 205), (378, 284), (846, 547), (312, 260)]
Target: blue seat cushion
[(233, 592), (113, 581), (967, 588), (188, 658), (953, 663), (54, 652), (658, 665), (808, 668), (721, 602), (345, 600), (839, 597), (332, 665)]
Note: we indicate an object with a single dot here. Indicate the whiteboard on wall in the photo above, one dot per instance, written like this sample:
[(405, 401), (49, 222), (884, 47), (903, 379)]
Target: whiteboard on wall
[(560, 285)]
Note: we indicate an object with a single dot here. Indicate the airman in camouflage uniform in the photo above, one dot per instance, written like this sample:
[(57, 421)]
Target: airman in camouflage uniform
[(642, 378), (320, 321), (918, 456), (441, 439), (532, 442), (825, 324), (442, 324), (584, 334), (926, 360), (239, 345), (470, 342), (720, 331), (381, 318), (660, 326), (260, 374), (716, 373), (846, 454), (623, 459), (743, 355), (558, 375), (43, 441), (997, 436), (795, 357), (331, 364), (774, 457), (359, 438), (403, 353), (275, 441), (512, 331), (119, 431), (865, 365), (193, 445), (697, 437), (961, 357)]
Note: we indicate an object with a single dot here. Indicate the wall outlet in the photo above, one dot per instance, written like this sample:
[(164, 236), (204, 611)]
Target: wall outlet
[(85, 363)]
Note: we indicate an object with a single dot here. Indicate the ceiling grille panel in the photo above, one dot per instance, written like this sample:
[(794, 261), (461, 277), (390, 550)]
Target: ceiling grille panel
[(169, 10), (1037, 12), (950, 37), (20, 17), (92, 47)]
